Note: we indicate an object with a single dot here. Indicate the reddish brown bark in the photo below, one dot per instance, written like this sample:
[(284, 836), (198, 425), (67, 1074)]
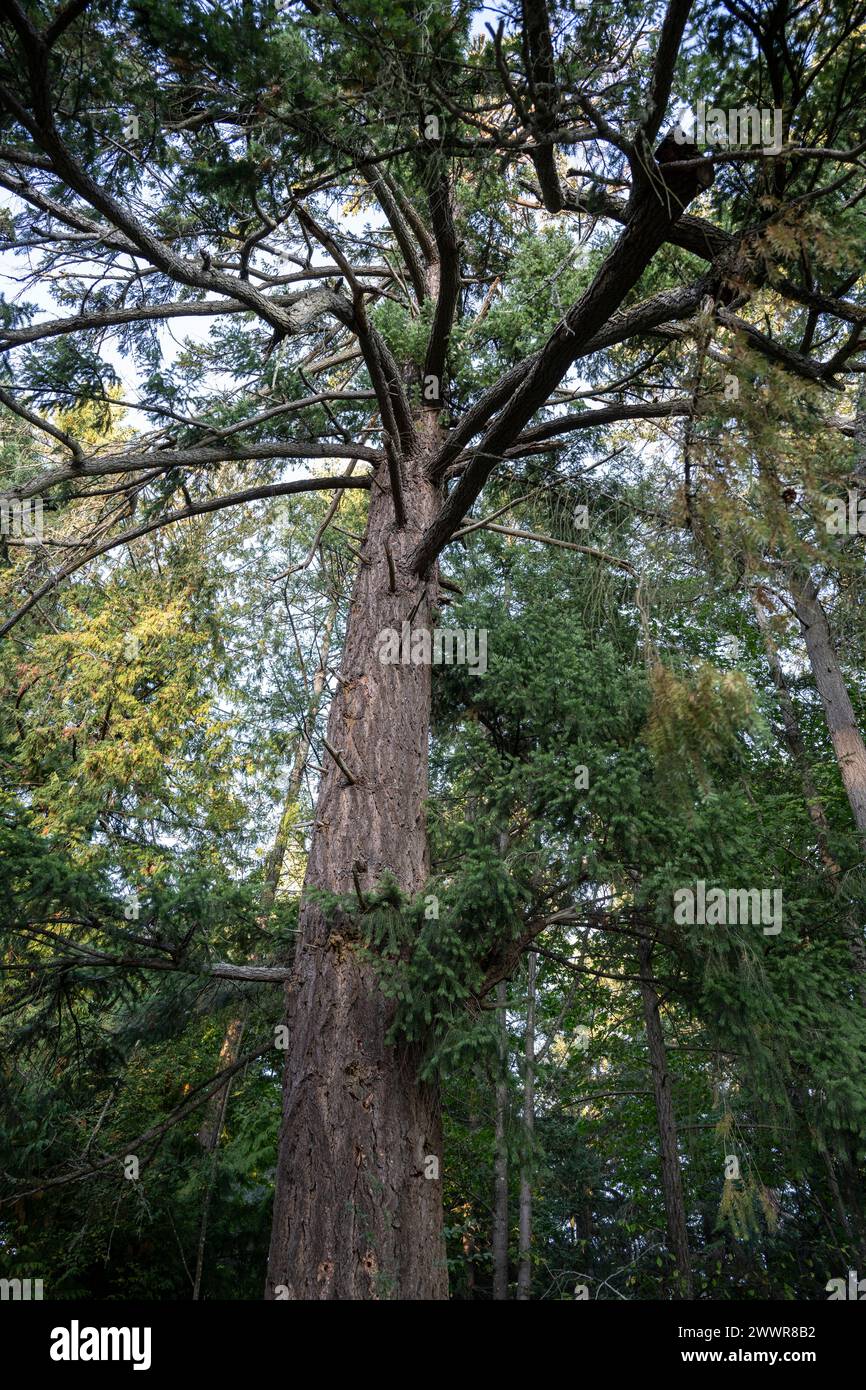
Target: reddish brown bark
[(354, 1215)]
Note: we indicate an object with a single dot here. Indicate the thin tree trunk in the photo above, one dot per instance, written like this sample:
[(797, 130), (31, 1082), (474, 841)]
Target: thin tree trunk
[(837, 1195), (470, 1243), (211, 1182), (672, 1185), (500, 1155), (215, 1110), (794, 738), (524, 1268), (796, 746), (211, 1126), (276, 858), (847, 740), (355, 1217)]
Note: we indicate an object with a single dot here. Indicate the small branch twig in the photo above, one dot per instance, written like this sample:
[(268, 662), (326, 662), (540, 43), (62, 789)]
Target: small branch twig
[(338, 759)]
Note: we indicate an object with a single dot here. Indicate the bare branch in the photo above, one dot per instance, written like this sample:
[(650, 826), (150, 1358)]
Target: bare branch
[(99, 465), (33, 419), (549, 540), (195, 1098)]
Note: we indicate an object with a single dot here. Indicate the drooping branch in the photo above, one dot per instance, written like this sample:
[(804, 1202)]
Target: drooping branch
[(219, 970), (605, 415), (777, 352), (73, 445), (710, 243), (40, 125), (550, 540)]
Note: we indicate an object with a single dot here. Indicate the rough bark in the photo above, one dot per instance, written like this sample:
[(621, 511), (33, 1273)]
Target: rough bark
[(354, 1215), (672, 1187), (500, 1158), (524, 1269)]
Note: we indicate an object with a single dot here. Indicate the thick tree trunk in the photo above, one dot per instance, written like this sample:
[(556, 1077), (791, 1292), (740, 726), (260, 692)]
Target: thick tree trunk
[(672, 1186), (524, 1269), (846, 737), (355, 1217), (500, 1153)]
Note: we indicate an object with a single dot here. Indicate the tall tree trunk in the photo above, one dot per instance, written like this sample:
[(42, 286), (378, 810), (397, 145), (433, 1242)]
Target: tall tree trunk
[(524, 1268), (500, 1153), (794, 740), (672, 1185), (355, 1217), (846, 737)]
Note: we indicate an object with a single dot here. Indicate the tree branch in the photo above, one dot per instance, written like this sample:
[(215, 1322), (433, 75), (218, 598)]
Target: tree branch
[(211, 504)]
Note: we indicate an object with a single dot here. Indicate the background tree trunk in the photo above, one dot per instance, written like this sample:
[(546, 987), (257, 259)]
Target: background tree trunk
[(215, 1111), (500, 1157), (277, 855), (354, 1215), (672, 1185), (524, 1269), (211, 1125), (844, 733), (794, 739), (228, 1055)]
